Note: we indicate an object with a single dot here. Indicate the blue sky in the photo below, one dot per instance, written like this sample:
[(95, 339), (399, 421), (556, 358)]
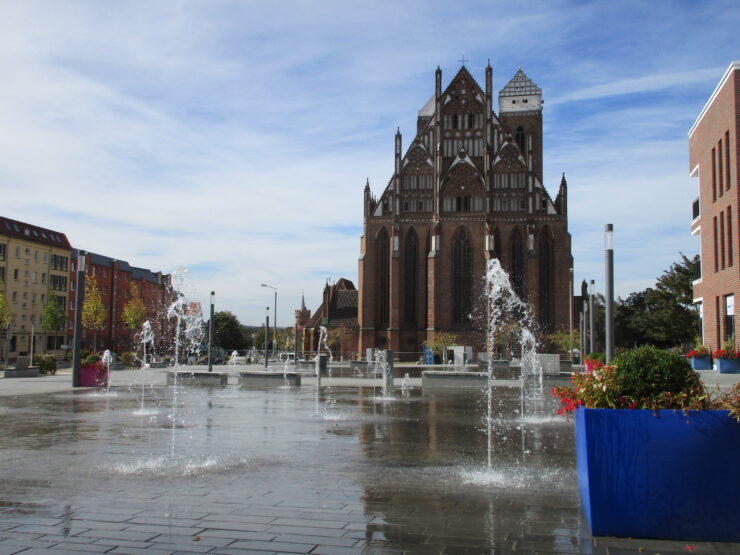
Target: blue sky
[(235, 138)]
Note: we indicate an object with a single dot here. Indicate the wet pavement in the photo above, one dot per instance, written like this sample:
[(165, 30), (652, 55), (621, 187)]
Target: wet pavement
[(335, 470)]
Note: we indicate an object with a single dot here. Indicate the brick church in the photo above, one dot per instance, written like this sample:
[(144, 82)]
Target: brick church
[(469, 187)]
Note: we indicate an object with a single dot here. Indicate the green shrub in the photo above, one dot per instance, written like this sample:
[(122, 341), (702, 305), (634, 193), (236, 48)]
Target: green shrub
[(47, 364), (128, 359), (89, 360), (599, 357), (648, 374)]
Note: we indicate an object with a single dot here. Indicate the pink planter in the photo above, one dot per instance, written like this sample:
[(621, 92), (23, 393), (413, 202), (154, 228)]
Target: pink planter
[(93, 376)]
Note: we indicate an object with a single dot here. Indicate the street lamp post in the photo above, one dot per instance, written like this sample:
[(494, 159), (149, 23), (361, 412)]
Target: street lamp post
[(267, 330), (210, 333), (274, 318), (609, 289), (591, 334), (79, 300)]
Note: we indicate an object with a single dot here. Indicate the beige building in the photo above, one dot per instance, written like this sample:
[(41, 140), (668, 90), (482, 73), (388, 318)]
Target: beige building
[(34, 263)]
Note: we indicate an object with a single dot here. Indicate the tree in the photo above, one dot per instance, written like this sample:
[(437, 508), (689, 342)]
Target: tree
[(563, 340), (52, 315), (664, 315), (134, 310), (440, 341), (227, 332), (5, 315), (93, 309)]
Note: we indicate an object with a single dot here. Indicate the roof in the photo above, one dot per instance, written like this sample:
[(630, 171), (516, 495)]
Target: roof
[(343, 300), (428, 109), (34, 233), (734, 66), (107, 262), (520, 85)]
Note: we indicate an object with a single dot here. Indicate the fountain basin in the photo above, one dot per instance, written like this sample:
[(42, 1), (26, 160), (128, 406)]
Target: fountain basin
[(189, 377), (460, 379), (269, 379)]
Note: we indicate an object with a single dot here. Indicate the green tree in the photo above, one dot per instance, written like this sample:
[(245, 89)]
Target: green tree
[(134, 310), (563, 340), (227, 332), (52, 315), (667, 317), (93, 309), (440, 341), (5, 315)]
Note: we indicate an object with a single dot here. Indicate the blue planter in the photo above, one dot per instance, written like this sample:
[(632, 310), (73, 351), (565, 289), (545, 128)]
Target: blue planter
[(728, 365), (662, 474), (701, 363)]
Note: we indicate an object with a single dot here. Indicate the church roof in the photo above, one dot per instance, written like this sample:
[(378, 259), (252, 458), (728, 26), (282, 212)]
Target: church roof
[(428, 109), (520, 85)]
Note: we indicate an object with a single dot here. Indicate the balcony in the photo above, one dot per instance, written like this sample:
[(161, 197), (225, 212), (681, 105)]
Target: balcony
[(695, 209)]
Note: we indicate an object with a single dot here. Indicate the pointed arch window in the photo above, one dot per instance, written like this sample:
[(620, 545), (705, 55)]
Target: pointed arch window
[(517, 263), (497, 243), (545, 248), (462, 270), (383, 276), (520, 137), (410, 276)]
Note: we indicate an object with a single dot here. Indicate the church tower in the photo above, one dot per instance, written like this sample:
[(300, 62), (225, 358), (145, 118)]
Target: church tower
[(469, 187)]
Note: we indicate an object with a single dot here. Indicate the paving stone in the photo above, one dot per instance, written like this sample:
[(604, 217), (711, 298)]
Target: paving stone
[(276, 547)]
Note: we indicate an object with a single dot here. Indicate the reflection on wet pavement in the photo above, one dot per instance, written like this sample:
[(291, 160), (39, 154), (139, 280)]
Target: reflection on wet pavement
[(340, 470)]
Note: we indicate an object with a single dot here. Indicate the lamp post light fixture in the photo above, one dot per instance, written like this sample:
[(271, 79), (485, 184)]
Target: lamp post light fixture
[(210, 333), (79, 300), (274, 318), (609, 289)]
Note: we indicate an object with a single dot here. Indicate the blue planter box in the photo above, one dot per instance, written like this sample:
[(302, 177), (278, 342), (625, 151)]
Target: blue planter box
[(701, 363), (662, 474), (728, 365)]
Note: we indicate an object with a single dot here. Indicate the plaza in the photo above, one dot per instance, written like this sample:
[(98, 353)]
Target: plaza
[(330, 469)]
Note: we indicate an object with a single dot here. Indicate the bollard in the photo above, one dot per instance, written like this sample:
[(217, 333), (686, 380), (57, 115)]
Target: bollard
[(387, 358)]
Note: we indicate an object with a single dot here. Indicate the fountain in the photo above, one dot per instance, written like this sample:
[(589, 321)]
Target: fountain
[(144, 337), (107, 358)]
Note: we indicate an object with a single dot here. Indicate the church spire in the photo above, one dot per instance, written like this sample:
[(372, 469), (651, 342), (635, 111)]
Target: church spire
[(561, 201)]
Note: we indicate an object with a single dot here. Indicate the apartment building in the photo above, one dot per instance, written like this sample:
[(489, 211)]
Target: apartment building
[(34, 263), (713, 154)]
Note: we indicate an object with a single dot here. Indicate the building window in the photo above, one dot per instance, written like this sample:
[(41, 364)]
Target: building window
[(728, 164), (720, 173), (44, 259), (383, 252), (2, 273), (17, 252), (15, 274), (43, 277), (2, 253), (730, 237), (15, 296), (716, 249), (730, 318), (410, 261), (462, 274), (714, 175), (700, 319), (722, 239), (545, 278), (520, 137), (59, 262), (517, 263)]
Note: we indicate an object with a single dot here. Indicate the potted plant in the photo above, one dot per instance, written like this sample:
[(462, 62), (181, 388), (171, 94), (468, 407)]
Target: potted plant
[(657, 456), (699, 356), (727, 359), (93, 372)]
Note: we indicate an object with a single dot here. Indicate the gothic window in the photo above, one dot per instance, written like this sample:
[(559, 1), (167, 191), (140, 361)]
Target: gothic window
[(454, 121), (410, 260), (383, 276), (462, 270), (517, 263), (497, 244), (520, 139), (545, 272), (470, 121)]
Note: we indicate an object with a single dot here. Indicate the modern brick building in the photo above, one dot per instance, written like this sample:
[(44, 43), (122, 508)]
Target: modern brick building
[(713, 160), (114, 278), (34, 263), (468, 188)]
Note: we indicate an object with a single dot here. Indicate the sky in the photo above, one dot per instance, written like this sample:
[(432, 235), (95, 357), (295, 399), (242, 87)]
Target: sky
[(234, 138)]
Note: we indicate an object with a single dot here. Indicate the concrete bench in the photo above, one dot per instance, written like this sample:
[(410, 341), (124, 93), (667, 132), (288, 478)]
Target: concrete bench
[(22, 369)]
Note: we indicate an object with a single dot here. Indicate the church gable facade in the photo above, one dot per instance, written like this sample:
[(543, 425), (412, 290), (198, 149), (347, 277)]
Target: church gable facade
[(468, 188)]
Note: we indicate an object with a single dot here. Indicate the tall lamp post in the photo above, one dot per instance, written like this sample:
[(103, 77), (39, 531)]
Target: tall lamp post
[(609, 270), (274, 318), (267, 330), (591, 333), (210, 333), (79, 300)]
